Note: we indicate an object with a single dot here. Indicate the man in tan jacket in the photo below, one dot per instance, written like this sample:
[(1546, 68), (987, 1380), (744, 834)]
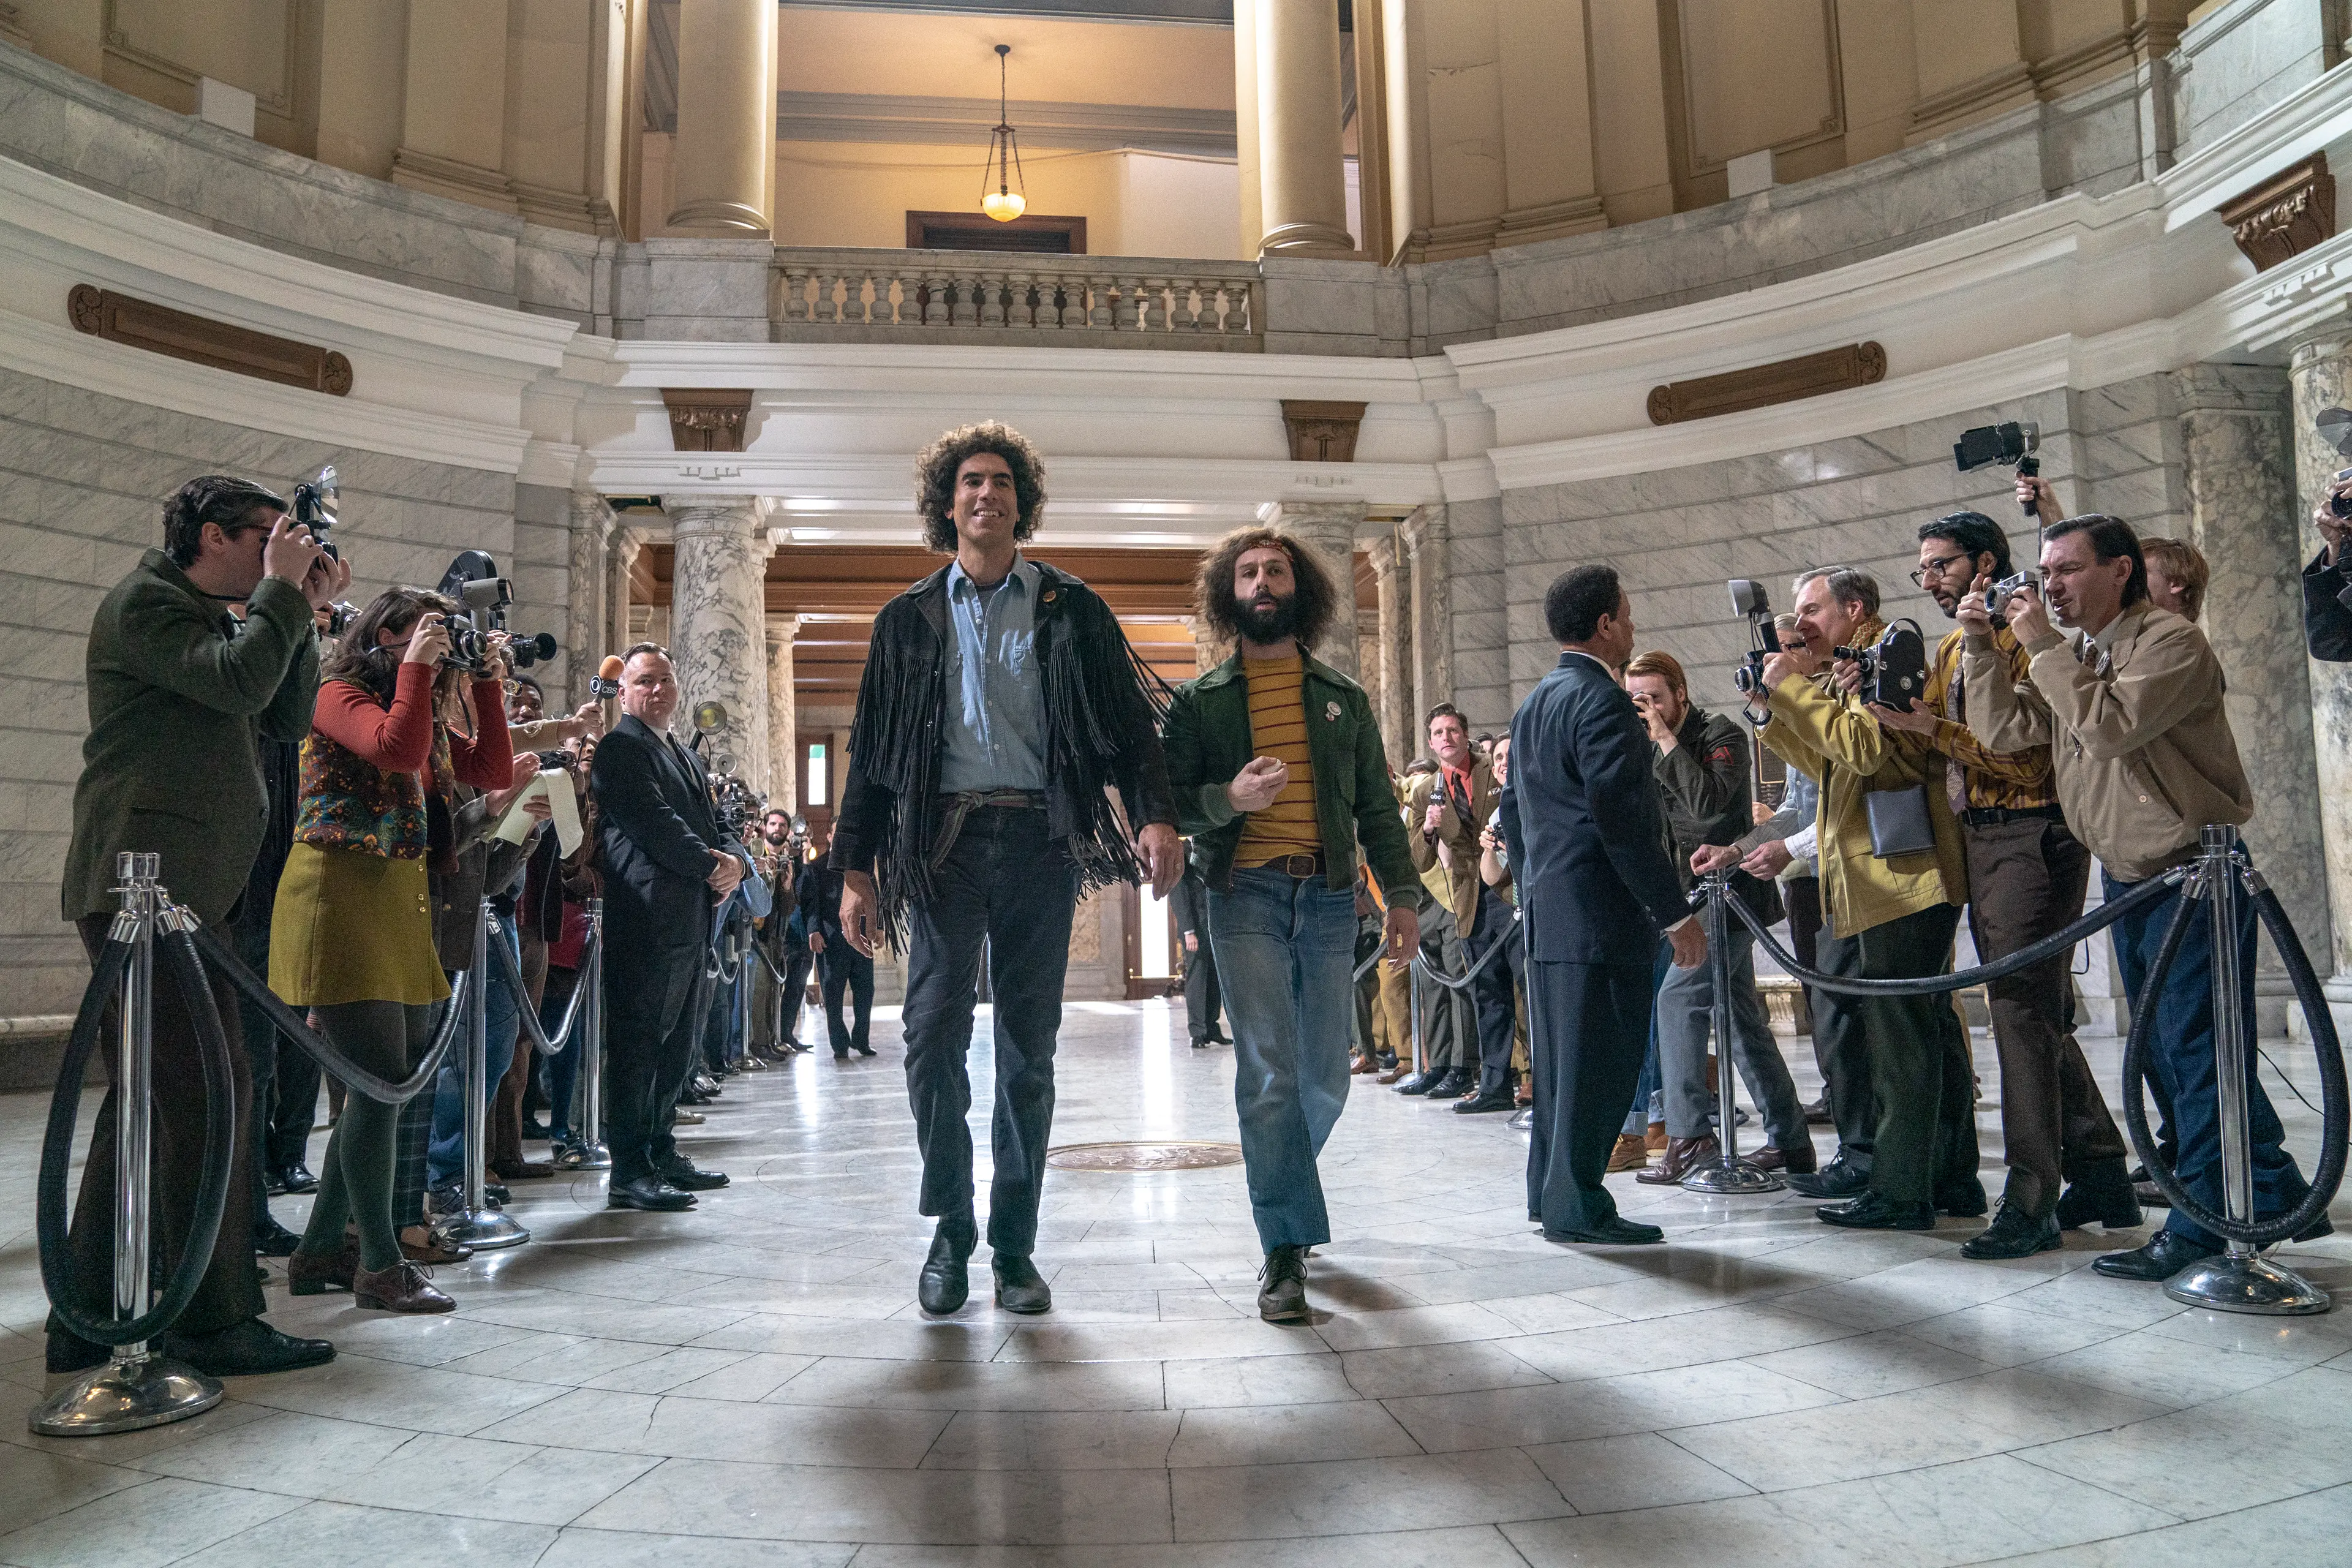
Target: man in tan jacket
[(1444, 813), (2131, 709)]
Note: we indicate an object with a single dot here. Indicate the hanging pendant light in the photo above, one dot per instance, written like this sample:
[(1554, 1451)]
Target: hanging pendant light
[(1003, 204)]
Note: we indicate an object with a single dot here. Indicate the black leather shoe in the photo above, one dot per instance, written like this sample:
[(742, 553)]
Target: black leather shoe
[(688, 1178), (1480, 1104), (1876, 1211), (650, 1193), (1614, 1231), (1838, 1179), (1281, 1286), (1962, 1200), (945, 1282), (271, 1239), (1423, 1082), (2101, 1195), (1453, 1085), (862, 1051), (1019, 1287), (297, 1178), (2165, 1254), (249, 1349), (2013, 1233), (2147, 1192)]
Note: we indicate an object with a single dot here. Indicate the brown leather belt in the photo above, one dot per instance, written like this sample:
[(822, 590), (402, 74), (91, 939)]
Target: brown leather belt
[(1299, 865), (955, 808)]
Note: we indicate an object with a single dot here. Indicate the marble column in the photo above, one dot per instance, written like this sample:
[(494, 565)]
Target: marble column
[(719, 624), (1301, 174), (1209, 649), (1427, 543), (621, 624), (588, 619), (2239, 474), (2321, 375), (1392, 577), (784, 715), (1328, 529), (722, 173)]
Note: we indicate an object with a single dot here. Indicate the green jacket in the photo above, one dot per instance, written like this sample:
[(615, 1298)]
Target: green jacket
[(178, 692), (1208, 742)]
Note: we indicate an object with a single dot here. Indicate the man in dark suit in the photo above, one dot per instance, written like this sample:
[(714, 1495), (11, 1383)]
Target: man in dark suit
[(1203, 1003), (841, 968), (658, 842), (1588, 846)]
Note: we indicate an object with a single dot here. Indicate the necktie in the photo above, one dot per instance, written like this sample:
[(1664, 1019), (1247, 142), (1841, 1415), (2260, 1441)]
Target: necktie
[(1956, 782)]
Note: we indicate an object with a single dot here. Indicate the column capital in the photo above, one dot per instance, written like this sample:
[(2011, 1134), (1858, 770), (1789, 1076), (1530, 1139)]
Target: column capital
[(700, 514), (1381, 551), (1424, 525)]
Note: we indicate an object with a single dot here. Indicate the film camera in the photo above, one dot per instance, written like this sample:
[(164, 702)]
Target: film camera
[(318, 502), (474, 582), (1748, 599), (1998, 596), (1893, 668), (2014, 445), (2335, 426)]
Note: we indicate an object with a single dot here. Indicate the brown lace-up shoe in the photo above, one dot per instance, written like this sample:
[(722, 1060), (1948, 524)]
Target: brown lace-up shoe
[(1682, 1153), (404, 1288)]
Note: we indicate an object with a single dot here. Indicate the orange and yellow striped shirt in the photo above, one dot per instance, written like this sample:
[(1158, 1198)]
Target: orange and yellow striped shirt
[(1278, 730)]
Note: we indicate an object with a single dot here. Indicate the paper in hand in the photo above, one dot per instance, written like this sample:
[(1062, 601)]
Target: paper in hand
[(552, 785)]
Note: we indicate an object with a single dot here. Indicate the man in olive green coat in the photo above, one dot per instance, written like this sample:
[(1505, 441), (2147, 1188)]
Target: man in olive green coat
[(178, 690)]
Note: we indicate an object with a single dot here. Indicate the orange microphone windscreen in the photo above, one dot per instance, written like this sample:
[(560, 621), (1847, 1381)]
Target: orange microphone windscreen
[(610, 668)]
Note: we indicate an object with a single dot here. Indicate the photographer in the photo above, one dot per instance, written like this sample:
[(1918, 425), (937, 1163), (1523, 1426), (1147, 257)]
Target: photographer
[(2026, 878), (781, 857), (1900, 1085), (178, 693), (2328, 581), (2133, 714), (1451, 807), (843, 968)]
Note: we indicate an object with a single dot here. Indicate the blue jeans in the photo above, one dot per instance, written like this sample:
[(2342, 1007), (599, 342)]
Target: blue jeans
[(563, 1068), (444, 1153), (1284, 950), (1649, 1097), (2180, 1056)]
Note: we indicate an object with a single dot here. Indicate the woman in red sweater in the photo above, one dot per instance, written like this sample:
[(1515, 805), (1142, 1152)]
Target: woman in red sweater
[(352, 933)]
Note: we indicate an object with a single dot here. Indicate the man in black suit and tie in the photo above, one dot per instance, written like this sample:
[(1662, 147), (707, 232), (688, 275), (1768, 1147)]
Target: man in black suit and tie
[(1587, 843), (657, 843)]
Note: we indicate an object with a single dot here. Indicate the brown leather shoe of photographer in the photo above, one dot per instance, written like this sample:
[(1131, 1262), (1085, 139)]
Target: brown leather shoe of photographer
[(1629, 1154), (521, 1170), (418, 1245), (1394, 1074), (402, 1288), (1797, 1160), (1682, 1153), (307, 1274)]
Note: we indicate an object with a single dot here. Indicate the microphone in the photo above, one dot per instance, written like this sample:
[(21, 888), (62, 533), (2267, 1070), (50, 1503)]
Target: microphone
[(607, 683)]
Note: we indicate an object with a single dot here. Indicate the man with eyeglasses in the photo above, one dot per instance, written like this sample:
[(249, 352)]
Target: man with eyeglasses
[(2027, 874)]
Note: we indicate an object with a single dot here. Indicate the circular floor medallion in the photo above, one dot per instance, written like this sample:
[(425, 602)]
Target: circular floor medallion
[(1142, 1156)]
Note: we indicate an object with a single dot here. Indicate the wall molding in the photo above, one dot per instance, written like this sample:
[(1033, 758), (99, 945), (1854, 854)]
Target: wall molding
[(1756, 386), (159, 329)]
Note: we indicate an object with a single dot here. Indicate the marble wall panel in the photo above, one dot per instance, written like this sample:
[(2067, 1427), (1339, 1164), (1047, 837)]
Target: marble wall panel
[(2242, 57)]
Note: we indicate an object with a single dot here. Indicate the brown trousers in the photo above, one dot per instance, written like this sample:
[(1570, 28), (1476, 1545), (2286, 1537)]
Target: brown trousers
[(506, 1111), (229, 1294), (2026, 880)]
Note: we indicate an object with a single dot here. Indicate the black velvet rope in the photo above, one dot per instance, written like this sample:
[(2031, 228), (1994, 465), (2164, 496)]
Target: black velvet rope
[(549, 1042), (292, 1024)]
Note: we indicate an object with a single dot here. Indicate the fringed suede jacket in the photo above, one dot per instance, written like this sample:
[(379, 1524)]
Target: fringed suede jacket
[(1102, 711)]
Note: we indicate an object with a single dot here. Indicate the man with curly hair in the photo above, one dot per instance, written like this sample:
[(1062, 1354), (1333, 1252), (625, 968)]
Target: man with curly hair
[(1277, 768), (999, 701)]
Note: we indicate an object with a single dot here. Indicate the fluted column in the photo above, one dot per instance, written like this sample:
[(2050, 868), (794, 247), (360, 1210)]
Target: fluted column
[(1301, 179), (784, 715), (722, 171), (1392, 579), (1427, 542), (718, 624), (1328, 529), (2322, 378)]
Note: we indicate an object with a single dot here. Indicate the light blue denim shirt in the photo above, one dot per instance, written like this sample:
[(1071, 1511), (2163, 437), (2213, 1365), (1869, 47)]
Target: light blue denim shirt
[(995, 734)]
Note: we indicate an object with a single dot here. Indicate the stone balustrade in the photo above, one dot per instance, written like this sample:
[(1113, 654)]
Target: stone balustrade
[(981, 297)]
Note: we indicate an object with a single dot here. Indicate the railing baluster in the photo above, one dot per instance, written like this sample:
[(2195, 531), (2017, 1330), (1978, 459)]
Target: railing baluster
[(881, 296)]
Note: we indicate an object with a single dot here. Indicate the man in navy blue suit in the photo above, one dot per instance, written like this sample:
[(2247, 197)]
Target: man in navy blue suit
[(1597, 886)]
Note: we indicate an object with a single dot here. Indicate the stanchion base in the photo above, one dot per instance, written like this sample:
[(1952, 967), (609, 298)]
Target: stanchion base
[(484, 1230), (1734, 1178), (585, 1157), (2246, 1284), (125, 1397)]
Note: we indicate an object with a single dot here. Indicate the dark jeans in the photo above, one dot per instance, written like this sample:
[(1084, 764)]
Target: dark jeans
[(1802, 895), (1588, 1028), (1005, 884), (2180, 1056), (228, 1293), (1203, 1001), (563, 1067), (285, 1079), (1495, 992), (1646, 1088), (846, 968), (651, 1025), (1909, 1053)]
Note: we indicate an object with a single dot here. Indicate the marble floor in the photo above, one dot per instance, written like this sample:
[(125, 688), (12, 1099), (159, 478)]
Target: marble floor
[(752, 1385)]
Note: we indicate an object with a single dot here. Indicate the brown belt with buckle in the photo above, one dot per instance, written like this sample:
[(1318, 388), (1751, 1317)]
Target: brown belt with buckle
[(1299, 865), (955, 808)]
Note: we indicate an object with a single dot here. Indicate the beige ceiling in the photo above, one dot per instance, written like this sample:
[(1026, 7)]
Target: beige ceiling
[(928, 55)]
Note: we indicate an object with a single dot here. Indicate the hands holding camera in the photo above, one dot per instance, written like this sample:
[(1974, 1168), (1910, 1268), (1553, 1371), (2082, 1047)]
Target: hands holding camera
[(429, 642), (1661, 732), (2023, 609), (292, 553), (1796, 660), (2332, 522)]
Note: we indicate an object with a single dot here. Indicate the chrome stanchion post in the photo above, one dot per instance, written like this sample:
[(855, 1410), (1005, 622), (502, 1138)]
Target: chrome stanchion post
[(481, 1226), (594, 1156), (2239, 1279), (1725, 1172), (138, 1387), (1413, 971)]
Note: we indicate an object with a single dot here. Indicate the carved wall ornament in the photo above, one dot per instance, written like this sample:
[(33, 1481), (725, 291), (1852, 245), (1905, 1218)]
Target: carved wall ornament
[(2285, 216), (1761, 385), (159, 329), (1322, 432), (707, 419)]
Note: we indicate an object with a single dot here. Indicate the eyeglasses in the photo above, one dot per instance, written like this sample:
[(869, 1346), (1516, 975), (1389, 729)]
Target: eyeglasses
[(1936, 568)]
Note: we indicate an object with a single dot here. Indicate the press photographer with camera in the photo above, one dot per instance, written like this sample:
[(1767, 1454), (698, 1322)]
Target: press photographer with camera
[(2131, 708), (2327, 579), (1900, 1089), (178, 691)]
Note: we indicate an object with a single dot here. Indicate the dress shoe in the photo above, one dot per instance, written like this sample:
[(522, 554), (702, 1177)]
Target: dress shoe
[(862, 1051), (946, 1281), (1281, 1286), (273, 1183), (1629, 1154), (1203, 1044), (2144, 1189), (703, 1083), (2014, 1233), (1357, 1065), (2100, 1195), (1875, 1211), (496, 1194), (1453, 1085), (312, 1274), (684, 1117), (522, 1170), (420, 1245), (1393, 1074), (1523, 1093), (249, 1349), (1481, 1103), (1682, 1153), (1798, 1159), (1019, 1287), (2165, 1254), (1614, 1231), (1422, 1081), (536, 1131), (691, 1097), (1962, 1199), (297, 1178), (1653, 1138), (1838, 1179), (1817, 1114), (770, 1054), (750, 1063), (402, 1288), (648, 1192), (686, 1177), (840, 1054), (271, 1239)]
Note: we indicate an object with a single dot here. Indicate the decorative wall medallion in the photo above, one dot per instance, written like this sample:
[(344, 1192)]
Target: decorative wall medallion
[(159, 329), (1761, 385), (2284, 216), (1320, 431), (707, 419)]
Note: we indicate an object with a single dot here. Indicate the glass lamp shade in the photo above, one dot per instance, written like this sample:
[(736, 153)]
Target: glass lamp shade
[(1003, 206)]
